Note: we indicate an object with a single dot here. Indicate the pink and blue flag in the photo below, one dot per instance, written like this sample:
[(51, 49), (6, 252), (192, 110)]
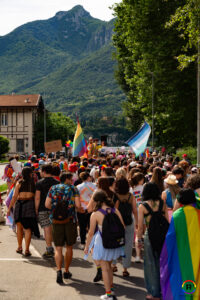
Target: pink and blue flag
[(138, 141)]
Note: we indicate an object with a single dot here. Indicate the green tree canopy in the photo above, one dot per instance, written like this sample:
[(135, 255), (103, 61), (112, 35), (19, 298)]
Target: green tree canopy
[(144, 46), (187, 21), (58, 126), (4, 145)]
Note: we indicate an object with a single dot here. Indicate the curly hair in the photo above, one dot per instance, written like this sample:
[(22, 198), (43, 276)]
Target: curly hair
[(193, 182)]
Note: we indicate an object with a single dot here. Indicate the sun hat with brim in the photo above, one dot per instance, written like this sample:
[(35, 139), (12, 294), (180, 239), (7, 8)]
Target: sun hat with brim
[(171, 179), (194, 170), (154, 154)]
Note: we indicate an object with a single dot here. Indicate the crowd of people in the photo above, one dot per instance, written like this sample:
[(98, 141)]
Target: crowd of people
[(86, 198)]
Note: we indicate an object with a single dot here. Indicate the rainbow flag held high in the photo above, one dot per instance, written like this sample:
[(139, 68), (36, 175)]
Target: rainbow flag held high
[(79, 143), (138, 141), (180, 257)]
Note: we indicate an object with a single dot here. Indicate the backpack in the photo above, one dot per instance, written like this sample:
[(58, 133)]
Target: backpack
[(158, 227), (61, 212), (125, 209), (113, 232)]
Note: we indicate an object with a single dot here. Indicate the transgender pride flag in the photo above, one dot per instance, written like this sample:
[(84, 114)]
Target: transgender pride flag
[(138, 141), (79, 144)]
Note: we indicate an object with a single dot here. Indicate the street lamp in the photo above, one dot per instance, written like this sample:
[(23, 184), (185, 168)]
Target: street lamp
[(152, 74)]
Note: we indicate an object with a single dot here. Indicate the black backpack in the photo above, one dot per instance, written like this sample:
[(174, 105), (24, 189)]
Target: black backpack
[(61, 212), (125, 209), (113, 232), (158, 227)]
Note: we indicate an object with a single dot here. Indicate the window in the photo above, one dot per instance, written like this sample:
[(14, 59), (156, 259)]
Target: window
[(20, 146), (4, 119)]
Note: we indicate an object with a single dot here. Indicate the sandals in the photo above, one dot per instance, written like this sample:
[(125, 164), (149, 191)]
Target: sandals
[(27, 253), (19, 250), (114, 269), (125, 274)]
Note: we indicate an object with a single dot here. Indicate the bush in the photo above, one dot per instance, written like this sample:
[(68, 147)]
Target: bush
[(191, 153), (4, 146)]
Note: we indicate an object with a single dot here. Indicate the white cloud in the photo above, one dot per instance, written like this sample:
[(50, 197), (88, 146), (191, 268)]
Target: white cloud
[(14, 13)]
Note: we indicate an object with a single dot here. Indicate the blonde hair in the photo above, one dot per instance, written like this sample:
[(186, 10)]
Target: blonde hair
[(121, 172)]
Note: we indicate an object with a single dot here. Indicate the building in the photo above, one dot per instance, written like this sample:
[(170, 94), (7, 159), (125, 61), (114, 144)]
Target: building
[(18, 114)]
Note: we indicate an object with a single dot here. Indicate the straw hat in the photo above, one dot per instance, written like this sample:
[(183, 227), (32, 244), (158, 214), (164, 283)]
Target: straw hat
[(154, 154), (171, 179)]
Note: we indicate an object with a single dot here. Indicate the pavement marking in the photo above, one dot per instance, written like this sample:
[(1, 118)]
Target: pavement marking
[(20, 259), (32, 250)]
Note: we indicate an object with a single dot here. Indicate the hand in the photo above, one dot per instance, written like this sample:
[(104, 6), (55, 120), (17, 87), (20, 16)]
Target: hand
[(139, 242), (86, 250), (81, 210)]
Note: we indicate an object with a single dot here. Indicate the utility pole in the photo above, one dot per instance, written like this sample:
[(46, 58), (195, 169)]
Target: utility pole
[(152, 74), (198, 104), (45, 131)]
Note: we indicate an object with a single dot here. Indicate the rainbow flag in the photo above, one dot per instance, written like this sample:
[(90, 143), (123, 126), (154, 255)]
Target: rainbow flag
[(180, 257), (79, 143), (147, 153)]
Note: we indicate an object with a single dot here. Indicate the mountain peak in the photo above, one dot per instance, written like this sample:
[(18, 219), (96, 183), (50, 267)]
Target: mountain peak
[(76, 11)]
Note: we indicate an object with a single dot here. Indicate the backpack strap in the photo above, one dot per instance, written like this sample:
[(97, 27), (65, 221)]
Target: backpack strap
[(102, 211), (107, 211), (161, 206), (146, 205)]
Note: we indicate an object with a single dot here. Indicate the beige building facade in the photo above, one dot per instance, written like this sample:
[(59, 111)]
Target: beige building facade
[(18, 114)]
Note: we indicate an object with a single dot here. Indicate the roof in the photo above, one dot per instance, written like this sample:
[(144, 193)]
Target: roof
[(20, 100)]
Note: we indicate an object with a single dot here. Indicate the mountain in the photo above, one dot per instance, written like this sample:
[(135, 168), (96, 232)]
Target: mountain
[(67, 59)]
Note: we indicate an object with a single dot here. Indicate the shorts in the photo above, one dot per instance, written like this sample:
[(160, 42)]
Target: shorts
[(43, 218), (64, 234)]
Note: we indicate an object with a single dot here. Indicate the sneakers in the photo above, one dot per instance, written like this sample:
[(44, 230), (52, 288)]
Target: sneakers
[(82, 246), (48, 254), (106, 297), (67, 275), (59, 279), (98, 276), (137, 259)]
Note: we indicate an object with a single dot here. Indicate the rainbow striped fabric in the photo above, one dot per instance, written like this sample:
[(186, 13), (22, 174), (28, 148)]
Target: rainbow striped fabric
[(79, 144), (180, 257)]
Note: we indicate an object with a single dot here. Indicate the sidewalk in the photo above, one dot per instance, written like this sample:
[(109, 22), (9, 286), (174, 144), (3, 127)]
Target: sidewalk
[(35, 278)]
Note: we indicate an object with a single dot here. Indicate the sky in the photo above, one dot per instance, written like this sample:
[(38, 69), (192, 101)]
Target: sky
[(14, 13)]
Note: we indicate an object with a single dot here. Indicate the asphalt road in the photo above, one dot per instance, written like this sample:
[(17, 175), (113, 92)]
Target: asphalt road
[(84, 272)]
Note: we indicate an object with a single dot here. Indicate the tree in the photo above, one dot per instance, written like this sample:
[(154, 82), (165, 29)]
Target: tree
[(187, 21), (144, 46), (4, 145), (58, 126)]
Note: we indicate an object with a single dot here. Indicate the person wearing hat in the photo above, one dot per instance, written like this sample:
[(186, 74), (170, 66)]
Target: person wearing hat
[(170, 193)]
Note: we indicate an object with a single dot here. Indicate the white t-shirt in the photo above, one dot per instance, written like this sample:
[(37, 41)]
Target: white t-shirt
[(86, 189), (137, 193)]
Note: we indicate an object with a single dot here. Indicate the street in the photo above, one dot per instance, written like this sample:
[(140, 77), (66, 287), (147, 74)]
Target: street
[(35, 278)]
